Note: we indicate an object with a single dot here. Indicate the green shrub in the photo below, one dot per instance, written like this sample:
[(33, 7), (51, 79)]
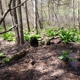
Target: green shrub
[(8, 36), (5, 60), (65, 56), (50, 32), (27, 36), (1, 55), (67, 35)]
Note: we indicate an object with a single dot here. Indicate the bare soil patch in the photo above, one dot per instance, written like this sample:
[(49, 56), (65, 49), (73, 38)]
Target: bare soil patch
[(39, 63)]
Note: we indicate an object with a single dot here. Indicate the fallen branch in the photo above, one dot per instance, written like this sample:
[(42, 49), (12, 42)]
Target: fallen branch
[(9, 29)]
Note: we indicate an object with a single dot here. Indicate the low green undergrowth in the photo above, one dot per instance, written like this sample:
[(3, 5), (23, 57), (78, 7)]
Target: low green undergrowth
[(1, 54), (9, 36), (67, 35), (27, 36), (50, 32), (65, 56), (4, 59)]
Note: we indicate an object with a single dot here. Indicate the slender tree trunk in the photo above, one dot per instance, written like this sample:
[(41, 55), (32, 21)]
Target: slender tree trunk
[(39, 21), (48, 9), (56, 21), (27, 19), (35, 17), (20, 23), (57, 12), (73, 11), (53, 13), (78, 15), (11, 13), (42, 13), (15, 21), (2, 14)]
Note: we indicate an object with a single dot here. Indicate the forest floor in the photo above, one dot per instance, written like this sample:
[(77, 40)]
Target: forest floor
[(39, 63)]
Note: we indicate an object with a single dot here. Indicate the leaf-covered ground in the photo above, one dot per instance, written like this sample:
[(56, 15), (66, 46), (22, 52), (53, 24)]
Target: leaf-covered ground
[(40, 63)]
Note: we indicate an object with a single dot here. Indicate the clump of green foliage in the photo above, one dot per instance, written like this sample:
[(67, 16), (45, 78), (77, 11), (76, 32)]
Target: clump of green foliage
[(66, 34), (1, 54), (50, 32), (5, 60), (65, 56), (69, 35), (28, 35), (8, 36)]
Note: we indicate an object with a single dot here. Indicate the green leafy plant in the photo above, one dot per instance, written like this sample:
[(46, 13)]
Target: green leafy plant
[(5, 60), (8, 36), (65, 56), (72, 59), (50, 32), (42, 42), (27, 36), (1, 55), (77, 36), (67, 35)]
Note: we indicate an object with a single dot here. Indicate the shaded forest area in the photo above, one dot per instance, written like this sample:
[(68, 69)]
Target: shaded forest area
[(39, 40)]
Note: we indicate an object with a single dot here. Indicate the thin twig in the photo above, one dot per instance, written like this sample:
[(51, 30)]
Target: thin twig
[(9, 29), (3, 17)]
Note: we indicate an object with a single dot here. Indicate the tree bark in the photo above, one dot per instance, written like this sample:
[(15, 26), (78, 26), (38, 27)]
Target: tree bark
[(35, 17), (15, 21), (2, 14), (78, 14), (41, 14), (20, 23), (27, 19), (73, 12)]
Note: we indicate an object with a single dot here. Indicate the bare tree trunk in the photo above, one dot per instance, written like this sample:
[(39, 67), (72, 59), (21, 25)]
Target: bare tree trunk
[(35, 17), (57, 12), (78, 15), (15, 21), (12, 12), (2, 14), (56, 15), (42, 13), (53, 13), (39, 21), (48, 9), (73, 11), (49, 12), (20, 23), (27, 19)]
